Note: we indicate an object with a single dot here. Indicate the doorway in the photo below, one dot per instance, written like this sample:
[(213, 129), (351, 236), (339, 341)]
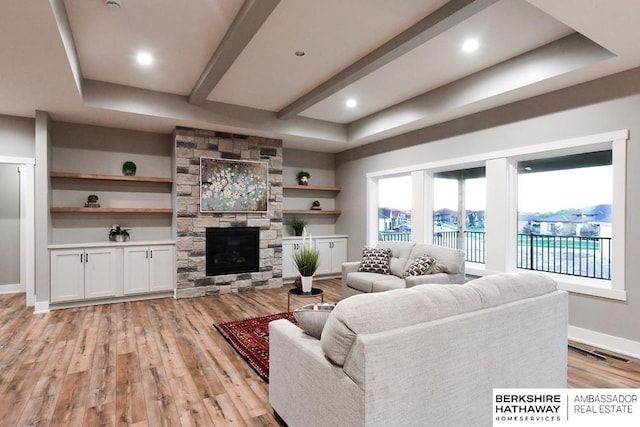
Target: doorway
[(17, 224)]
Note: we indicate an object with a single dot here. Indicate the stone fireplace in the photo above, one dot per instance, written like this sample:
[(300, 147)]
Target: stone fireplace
[(193, 226)]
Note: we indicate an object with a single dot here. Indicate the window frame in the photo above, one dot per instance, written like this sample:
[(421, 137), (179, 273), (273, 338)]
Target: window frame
[(504, 171)]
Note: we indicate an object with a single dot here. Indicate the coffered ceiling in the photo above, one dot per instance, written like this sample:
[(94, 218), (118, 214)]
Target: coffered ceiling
[(285, 68)]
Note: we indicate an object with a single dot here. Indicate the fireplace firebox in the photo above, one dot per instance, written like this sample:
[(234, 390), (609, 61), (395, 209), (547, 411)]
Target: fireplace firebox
[(232, 250)]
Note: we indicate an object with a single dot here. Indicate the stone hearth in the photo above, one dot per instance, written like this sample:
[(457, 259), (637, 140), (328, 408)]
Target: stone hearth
[(190, 145)]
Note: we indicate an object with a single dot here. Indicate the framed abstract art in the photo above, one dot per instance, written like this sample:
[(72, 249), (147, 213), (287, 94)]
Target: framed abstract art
[(233, 185)]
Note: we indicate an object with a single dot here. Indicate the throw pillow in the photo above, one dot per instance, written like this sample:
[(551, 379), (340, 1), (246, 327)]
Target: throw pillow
[(423, 264), (375, 260), (312, 317)]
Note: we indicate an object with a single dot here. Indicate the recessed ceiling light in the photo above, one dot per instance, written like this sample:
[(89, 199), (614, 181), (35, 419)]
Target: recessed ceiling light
[(470, 45), (351, 103), (299, 53), (144, 58), (113, 4)]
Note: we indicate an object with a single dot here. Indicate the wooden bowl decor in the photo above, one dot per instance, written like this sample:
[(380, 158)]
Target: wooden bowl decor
[(129, 168)]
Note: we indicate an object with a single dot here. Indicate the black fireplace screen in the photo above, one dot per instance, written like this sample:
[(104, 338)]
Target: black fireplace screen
[(232, 250)]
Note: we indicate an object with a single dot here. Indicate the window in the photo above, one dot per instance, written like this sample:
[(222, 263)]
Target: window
[(503, 195), (448, 188), (394, 208), (564, 214)]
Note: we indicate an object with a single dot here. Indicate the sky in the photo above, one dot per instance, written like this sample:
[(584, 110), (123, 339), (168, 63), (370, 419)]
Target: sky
[(537, 192)]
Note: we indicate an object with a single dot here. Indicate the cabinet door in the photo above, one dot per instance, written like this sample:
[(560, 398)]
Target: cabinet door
[(102, 272), (289, 247), (338, 254), (136, 270), (324, 247), (67, 275), (161, 271), (333, 252)]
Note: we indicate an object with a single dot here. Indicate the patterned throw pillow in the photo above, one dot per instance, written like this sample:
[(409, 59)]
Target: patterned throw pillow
[(375, 260), (420, 266)]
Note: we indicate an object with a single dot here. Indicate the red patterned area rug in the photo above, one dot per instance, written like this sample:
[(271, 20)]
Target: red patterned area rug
[(250, 338)]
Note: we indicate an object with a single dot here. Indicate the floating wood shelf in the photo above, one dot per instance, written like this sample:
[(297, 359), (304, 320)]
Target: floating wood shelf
[(111, 210), (311, 212), (100, 177), (311, 187)]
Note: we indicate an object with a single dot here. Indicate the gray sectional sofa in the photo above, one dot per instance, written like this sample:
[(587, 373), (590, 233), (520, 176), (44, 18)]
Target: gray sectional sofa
[(429, 355), (449, 268)]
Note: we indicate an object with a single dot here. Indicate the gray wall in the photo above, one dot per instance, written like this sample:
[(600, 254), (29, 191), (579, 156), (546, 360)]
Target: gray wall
[(9, 225), (17, 136), (609, 104), (321, 167)]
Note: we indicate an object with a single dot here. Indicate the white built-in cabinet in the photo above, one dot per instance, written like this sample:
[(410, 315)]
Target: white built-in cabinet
[(110, 270), (148, 269), (289, 247), (78, 274), (333, 252)]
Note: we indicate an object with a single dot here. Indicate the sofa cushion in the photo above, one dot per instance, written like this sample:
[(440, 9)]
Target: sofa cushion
[(375, 260), (507, 287), (369, 282), (420, 266), (376, 312), (448, 260), (400, 252), (388, 283)]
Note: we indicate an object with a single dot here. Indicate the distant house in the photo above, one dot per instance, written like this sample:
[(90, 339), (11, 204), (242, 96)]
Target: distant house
[(589, 221), (393, 219), (446, 216)]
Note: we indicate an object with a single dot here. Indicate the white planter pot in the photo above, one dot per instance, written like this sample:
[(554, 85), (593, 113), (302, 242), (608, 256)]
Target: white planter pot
[(307, 283)]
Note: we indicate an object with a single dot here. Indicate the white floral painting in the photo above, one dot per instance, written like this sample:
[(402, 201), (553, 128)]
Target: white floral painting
[(233, 185)]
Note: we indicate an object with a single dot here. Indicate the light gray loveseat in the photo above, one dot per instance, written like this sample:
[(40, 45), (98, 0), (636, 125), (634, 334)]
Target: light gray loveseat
[(423, 356), (449, 268)]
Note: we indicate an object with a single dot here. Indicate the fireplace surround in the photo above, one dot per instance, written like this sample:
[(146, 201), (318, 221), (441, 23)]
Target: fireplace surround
[(193, 280)]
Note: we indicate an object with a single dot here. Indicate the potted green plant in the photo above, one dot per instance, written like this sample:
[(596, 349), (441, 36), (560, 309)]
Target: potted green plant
[(92, 198), (303, 177), (118, 234), (307, 260), (298, 225), (129, 168)]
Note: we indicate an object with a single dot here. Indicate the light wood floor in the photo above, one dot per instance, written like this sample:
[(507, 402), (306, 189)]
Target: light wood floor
[(161, 362)]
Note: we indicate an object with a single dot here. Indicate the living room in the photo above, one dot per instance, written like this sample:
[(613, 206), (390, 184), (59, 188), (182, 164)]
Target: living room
[(102, 124)]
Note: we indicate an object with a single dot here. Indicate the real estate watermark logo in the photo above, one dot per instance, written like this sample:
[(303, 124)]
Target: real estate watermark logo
[(566, 407)]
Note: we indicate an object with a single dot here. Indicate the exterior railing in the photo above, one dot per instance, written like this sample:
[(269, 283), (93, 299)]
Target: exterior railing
[(394, 236), (474, 244), (570, 255)]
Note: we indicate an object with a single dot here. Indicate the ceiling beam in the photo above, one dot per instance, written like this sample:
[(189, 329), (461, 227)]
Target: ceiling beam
[(448, 16), (64, 28), (251, 16)]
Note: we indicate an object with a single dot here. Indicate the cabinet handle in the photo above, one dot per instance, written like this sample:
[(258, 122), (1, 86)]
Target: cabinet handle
[(86, 257), (146, 254), (81, 256), (151, 254)]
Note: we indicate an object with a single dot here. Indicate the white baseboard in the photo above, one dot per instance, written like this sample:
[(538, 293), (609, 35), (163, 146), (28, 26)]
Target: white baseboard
[(41, 307), (605, 342), (11, 288)]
